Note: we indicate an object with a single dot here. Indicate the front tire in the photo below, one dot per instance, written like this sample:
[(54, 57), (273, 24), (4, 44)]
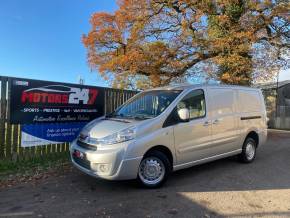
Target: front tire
[(154, 169), (249, 151)]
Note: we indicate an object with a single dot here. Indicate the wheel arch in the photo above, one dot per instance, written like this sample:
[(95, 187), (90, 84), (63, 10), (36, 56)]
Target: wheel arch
[(254, 135), (165, 150)]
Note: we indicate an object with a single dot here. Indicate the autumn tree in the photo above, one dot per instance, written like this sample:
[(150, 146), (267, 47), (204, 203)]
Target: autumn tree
[(156, 42)]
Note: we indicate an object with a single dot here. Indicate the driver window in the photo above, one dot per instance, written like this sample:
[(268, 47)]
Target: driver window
[(195, 103)]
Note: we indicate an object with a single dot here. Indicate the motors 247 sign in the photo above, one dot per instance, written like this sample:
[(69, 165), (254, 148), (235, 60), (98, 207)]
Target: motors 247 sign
[(34, 101)]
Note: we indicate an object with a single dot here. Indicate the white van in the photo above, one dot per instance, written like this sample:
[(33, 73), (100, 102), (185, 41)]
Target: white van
[(167, 129)]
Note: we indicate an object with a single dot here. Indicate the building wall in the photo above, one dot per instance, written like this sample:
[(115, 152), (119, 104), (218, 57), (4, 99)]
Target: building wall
[(279, 115), (284, 95)]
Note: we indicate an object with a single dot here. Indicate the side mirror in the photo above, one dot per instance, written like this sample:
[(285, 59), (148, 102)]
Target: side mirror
[(183, 114)]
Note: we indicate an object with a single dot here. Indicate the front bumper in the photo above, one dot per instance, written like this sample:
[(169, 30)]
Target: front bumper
[(118, 166)]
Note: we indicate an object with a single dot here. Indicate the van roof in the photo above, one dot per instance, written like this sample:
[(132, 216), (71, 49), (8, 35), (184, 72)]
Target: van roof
[(191, 86)]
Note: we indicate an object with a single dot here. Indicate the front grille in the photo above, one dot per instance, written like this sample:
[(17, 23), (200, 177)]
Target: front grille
[(82, 162), (86, 146)]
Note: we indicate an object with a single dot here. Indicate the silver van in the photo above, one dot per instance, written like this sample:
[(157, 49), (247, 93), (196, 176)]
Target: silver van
[(171, 128)]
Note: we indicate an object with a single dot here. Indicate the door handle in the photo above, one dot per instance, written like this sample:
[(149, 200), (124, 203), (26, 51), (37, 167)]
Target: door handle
[(206, 123), (216, 121)]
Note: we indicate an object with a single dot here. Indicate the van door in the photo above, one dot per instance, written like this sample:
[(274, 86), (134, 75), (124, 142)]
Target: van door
[(192, 138), (225, 135)]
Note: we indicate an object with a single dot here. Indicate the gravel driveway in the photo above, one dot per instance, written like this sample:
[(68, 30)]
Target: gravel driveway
[(224, 188)]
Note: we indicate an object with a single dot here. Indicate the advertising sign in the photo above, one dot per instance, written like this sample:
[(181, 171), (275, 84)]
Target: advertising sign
[(53, 133), (34, 102)]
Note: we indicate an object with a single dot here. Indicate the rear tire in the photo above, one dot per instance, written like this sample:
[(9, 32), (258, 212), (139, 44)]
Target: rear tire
[(154, 169), (249, 151)]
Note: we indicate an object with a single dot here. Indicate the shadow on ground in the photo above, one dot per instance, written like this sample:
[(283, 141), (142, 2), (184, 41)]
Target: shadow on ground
[(224, 188)]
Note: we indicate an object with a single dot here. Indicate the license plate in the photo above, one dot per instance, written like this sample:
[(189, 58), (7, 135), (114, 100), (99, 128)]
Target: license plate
[(79, 154)]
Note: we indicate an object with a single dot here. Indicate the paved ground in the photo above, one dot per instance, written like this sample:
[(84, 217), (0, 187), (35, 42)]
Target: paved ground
[(224, 188)]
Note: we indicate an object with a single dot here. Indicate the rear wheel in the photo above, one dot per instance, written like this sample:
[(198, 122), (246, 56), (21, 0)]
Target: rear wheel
[(249, 151), (154, 169)]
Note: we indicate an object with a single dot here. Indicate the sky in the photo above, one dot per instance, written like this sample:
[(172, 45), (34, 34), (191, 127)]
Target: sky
[(42, 39), (284, 75)]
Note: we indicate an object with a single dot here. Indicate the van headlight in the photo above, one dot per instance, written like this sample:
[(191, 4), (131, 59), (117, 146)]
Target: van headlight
[(118, 137)]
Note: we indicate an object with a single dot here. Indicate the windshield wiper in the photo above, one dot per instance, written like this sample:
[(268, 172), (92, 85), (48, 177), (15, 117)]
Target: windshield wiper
[(122, 116), (119, 116), (141, 117), (114, 115)]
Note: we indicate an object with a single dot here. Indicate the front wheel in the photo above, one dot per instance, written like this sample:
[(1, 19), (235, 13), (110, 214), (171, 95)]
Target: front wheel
[(154, 169), (249, 151)]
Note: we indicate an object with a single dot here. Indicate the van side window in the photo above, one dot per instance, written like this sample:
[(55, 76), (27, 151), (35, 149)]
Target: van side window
[(195, 103)]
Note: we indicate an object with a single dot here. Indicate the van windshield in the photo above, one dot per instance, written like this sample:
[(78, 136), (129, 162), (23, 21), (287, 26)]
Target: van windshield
[(146, 105)]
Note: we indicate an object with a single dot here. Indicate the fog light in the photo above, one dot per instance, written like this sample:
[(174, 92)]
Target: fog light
[(103, 168)]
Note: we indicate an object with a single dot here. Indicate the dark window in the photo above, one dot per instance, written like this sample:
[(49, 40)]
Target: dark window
[(195, 103), (146, 105), (172, 119)]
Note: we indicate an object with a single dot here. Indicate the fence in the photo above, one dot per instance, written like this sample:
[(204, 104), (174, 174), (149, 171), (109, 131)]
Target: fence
[(10, 135), (280, 119)]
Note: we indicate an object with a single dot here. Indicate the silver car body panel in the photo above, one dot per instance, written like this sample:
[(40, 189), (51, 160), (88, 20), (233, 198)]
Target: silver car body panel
[(219, 134)]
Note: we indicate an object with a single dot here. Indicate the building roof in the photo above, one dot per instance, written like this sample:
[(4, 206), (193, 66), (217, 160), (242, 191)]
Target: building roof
[(272, 85)]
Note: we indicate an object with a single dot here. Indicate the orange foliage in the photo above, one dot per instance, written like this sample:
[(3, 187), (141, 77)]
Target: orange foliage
[(151, 43)]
